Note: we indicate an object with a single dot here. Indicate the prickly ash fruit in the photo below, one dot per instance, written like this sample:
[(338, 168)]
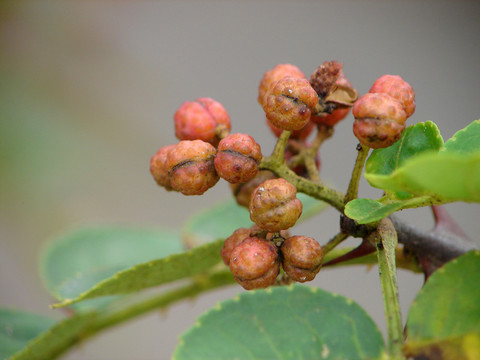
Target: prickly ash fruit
[(301, 258), (243, 191), (397, 88), (190, 167), (338, 114), (232, 242), (278, 72), (325, 76), (238, 156), (200, 120), (255, 263), (301, 134), (274, 206), (158, 167), (379, 120), (289, 103)]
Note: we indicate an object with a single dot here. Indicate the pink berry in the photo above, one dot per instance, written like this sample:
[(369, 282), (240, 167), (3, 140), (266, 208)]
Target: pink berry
[(200, 119), (379, 120), (255, 263), (278, 72), (289, 103), (190, 167), (237, 158), (158, 167), (274, 205), (301, 134), (397, 88), (302, 258)]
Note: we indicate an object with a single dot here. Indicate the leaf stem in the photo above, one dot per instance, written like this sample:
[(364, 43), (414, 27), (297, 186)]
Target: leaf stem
[(385, 240)]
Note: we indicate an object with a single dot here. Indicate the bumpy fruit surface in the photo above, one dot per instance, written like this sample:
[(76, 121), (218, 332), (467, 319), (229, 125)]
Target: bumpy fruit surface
[(379, 120), (397, 88), (158, 167), (301, 258), (338, 114), (274, 206), (232, 242), (243, 191), (255, 263), (190, 167), (238, 156), (278, 72), (301, 134), (199, 120), (289, 103)]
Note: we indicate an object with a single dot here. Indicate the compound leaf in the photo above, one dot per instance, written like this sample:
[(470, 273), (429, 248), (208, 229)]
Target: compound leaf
[(295, 322), (444, 319)]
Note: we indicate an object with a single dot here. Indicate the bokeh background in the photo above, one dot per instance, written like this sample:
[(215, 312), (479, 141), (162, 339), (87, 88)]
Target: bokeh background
[(87, 95)]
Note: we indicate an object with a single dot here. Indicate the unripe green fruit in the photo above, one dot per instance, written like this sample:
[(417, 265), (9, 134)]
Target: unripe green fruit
[(158, 167), (379, 120), (255, 263), (237, 159), (302, 258), (274, 206), (289, 103), (190, 167), (397, 88), (278, 72), (200, 119)]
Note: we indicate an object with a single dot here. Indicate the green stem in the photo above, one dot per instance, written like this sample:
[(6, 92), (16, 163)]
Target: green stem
[(333, 243), (385, 240), (352, 191), (306, 186)]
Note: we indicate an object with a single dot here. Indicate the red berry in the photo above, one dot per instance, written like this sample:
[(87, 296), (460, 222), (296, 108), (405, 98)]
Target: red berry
[(397, 88), (302, 258), (190, 167), (237, 158), (199, 120), (158, 167), (379, 120), (255, 263), (289, 103), (278, 72), (274, 206)]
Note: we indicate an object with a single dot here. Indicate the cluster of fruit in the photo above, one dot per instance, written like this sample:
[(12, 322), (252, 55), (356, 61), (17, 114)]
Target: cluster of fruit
[(293, 106)]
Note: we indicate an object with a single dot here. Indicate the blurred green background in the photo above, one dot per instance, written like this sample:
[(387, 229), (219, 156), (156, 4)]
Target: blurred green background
[(88, 91)]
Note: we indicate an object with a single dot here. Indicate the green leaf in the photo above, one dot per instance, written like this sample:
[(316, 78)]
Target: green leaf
[(446, 177), (445, 316), (221, 220), (466, 140), (295, 322), (17, 328), (77, 260), (53, 342), (365, 211), (416, 139), (154, 273)]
